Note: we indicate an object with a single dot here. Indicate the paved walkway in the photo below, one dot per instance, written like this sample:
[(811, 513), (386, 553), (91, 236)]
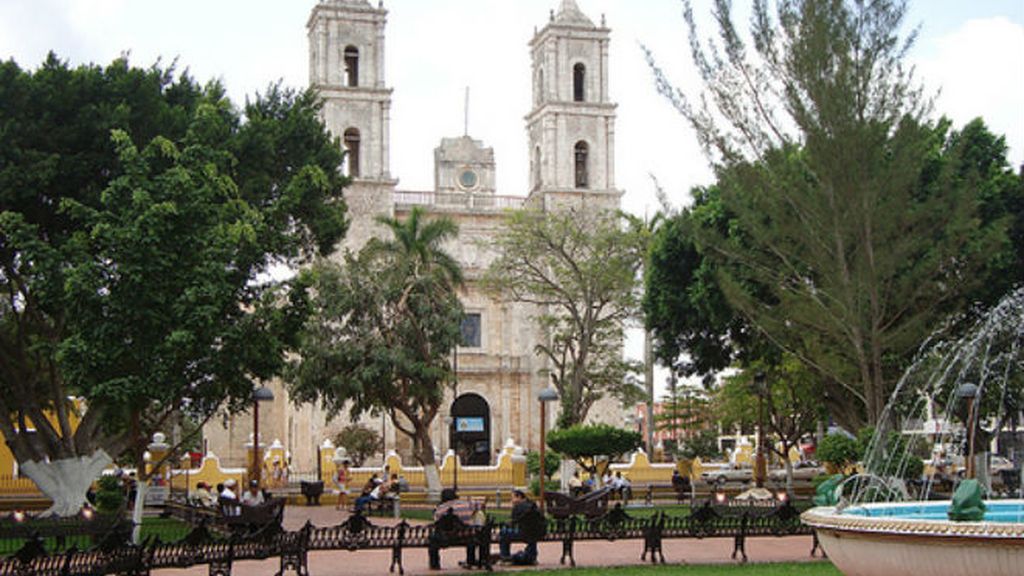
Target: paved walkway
[(588, 554)]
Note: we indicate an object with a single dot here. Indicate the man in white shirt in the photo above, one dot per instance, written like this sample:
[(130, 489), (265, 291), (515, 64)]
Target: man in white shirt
[(229, 494), (253, 496)]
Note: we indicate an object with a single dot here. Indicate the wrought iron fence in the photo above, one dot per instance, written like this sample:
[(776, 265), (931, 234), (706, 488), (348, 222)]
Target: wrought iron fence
[(201, 546)]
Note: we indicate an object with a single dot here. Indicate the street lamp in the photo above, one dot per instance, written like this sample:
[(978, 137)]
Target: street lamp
[(544, 396), (760, 465), (261, 394), (968, 391)]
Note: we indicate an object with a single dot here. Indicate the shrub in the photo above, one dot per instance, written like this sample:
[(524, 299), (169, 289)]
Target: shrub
[(110, 495), (839, 450), (552, 460), (549, 486), (590, 445)]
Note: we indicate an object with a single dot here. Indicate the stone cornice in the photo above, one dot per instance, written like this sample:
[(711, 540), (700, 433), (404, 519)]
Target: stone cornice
[(828, 518)]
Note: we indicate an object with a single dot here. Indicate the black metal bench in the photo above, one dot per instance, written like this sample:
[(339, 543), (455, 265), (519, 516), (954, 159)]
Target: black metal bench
[(592, 505), (252, 520), (450, 531)]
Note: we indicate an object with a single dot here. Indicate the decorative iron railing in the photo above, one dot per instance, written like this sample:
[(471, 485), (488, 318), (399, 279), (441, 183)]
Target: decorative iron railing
[(458, 200), (203, 546)]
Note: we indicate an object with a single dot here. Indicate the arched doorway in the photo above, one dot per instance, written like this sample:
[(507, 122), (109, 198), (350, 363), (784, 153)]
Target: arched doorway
[(470, 433)]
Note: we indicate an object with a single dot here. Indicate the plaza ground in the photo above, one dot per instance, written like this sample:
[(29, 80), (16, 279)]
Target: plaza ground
[(713, 556)]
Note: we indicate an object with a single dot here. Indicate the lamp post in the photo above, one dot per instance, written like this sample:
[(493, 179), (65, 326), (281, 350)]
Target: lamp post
[(969, 392), (544, 396), (261, 394), (759, 462)]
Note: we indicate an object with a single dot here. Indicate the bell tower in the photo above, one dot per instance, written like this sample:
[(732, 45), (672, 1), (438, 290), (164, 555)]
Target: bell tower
[(346, 67), (571, 127)]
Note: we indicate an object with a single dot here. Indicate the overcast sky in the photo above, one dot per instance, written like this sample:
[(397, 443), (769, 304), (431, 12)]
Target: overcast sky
[(969, 51)]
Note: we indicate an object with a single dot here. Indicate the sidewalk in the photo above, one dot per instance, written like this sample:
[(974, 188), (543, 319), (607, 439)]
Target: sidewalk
[(588, 554)]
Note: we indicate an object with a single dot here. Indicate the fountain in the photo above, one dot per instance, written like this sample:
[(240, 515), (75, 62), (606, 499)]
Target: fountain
[(885, 521)]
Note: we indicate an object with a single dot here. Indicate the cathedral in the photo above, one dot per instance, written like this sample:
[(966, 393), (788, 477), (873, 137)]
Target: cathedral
[(571, 143)]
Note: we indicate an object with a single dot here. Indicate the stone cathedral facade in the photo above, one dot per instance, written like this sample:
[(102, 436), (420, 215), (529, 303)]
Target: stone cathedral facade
[(571, 145)]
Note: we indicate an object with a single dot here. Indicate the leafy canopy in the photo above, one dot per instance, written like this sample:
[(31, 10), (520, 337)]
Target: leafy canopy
[(382, 329), (591, 445), (847, 239), (139, 214), (580, 269)]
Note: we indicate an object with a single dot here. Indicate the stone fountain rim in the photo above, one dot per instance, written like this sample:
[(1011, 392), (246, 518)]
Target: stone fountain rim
[(826, 517)]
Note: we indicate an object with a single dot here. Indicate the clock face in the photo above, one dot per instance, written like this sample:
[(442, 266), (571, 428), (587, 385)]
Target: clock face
[(468, 179)]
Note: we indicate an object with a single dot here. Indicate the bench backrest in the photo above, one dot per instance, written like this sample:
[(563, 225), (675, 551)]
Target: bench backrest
[(533, 526)]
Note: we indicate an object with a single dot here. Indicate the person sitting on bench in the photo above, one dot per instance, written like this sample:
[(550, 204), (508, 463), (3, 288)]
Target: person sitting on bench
[(253, 496), (521, 506), (375, 495), (466, 512)]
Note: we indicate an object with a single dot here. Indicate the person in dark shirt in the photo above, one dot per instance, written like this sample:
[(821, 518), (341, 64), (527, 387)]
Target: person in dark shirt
[(521, 506), (465, 511)]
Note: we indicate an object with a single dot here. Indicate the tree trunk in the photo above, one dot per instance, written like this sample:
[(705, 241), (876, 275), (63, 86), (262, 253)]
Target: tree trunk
[(649, 378), (425, 454), (789, 475), (141, 487), (66, 481)]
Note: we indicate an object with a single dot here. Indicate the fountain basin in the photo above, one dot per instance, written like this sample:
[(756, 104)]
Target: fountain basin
[(915, 538)]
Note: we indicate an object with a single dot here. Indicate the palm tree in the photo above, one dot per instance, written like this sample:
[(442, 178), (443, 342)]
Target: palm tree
[(431, 279), (416, 245)]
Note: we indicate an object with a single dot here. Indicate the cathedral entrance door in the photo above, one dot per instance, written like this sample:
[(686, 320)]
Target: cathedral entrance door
[(470, 434)]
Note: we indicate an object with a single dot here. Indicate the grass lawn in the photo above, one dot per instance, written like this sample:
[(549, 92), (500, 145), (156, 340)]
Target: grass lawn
[(780, 569), (168, 529)]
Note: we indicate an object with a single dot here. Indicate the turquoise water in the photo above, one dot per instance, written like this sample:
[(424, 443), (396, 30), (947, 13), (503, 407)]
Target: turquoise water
[(997, 511)]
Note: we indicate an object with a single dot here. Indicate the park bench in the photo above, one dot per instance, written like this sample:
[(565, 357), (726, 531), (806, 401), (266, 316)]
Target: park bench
[(591, 505), (531, 528), (251, 520), (450, 531), (229, 517)]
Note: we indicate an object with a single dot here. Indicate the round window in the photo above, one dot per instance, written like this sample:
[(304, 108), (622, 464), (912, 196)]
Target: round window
[(467, 179)]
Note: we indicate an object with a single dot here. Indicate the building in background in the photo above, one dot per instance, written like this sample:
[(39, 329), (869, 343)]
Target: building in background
[(571, 142)]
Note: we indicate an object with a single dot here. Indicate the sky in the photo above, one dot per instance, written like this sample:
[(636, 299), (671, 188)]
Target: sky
[(968, 54)]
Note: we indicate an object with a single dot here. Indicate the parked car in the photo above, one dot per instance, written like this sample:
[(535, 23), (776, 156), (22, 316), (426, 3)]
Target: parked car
[(1000, 463), (730, 473), (803, 471)]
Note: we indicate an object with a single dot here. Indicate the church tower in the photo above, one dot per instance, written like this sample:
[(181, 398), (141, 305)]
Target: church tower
[(346, 67), (572, 125)]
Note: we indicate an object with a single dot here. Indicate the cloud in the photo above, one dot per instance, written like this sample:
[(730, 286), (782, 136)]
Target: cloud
[(29, 30), (978, 69)]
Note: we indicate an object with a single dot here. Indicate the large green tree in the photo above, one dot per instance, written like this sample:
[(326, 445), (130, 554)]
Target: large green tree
[(382, 331), (580, 269), (139, 213), (787, 402), (848, 245)]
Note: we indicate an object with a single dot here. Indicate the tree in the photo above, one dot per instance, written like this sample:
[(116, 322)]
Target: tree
[(846, 247), (580, 269), (382, 329), (359, 442), (594, 447), (683, 409), (838, 450), (696, 330), (703, 444), (643, 230), (790, 400), (977, 159), (138, 215), (552, 460)]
